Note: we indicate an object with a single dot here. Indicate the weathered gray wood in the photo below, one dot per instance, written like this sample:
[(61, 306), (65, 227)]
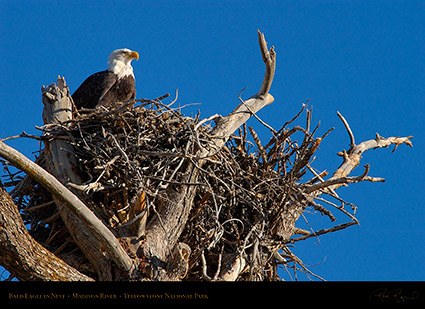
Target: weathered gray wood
[(57, 109), (16, 242), (164, 231), (353, 155), (71, 201), (62, 164)]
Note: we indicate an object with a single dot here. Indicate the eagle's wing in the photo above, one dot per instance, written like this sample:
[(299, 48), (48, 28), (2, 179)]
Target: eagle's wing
[(94, 89), (109, 82)]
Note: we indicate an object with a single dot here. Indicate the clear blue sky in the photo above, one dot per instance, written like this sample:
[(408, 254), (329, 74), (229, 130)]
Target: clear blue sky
[(362, 58)]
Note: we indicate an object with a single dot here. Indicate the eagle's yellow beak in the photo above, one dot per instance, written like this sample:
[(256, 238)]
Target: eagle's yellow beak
[(133, 55)]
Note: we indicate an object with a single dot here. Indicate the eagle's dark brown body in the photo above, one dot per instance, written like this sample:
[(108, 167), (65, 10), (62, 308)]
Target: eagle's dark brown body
[(104, 88)]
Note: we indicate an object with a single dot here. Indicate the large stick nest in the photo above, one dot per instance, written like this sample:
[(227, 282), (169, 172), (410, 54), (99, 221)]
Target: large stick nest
[(248, 195)]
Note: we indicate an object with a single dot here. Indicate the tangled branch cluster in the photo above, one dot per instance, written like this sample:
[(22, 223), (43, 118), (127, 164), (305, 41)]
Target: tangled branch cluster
[(247, 200), (252, 199)]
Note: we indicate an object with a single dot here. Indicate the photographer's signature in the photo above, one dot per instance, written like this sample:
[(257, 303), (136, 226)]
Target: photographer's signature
[(397, 295)]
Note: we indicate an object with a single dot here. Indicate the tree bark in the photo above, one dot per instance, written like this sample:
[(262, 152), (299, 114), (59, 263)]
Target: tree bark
[(24, 257)]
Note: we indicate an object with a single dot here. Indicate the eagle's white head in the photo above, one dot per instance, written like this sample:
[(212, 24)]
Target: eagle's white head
[(120, 62)]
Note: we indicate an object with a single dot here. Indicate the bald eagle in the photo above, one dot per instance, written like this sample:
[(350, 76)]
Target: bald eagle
[(116, 84)]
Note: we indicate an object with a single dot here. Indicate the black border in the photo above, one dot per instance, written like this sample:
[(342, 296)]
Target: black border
[(202, 293)]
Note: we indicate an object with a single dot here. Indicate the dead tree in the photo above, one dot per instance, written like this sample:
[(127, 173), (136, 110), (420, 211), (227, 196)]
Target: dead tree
[(138, 191)]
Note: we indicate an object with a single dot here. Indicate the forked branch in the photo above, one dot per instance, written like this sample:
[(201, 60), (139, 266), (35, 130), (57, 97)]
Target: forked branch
[(353, 156), (343, 180)]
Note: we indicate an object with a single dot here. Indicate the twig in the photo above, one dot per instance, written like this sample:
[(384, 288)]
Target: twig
[(204, 267), (37, 207), (258, 118), (154, 100), (71, 201), (323, 231), (351, 216), (342, 180), (350, 133), (24, 134), (257, 141), (213, 117), (174, 101)]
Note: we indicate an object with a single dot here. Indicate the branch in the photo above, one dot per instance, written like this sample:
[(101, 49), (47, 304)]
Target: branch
[(62, 164), (16, 243), (23, 134), (72, 202), (59, 191), (342, 180), (350, 133), (175, 211), (324, 231), (269, 58), (227, 125), (353, 155), (57, 109), (352, 158)]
